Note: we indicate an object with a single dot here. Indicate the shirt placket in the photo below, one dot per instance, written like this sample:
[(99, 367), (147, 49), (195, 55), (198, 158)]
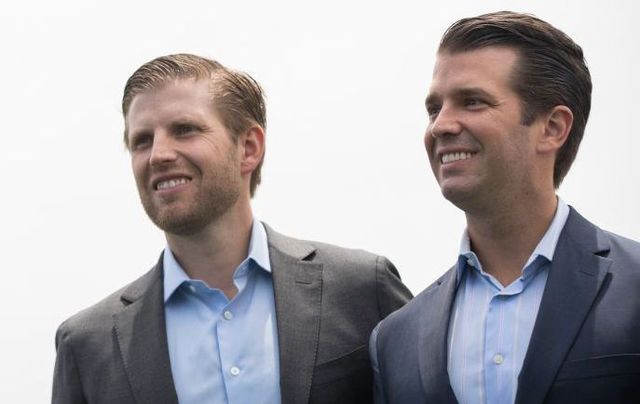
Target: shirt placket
[(232, 365)]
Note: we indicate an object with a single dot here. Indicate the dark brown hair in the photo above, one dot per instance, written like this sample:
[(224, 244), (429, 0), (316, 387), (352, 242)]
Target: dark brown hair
[(551, 69), (237, 97)]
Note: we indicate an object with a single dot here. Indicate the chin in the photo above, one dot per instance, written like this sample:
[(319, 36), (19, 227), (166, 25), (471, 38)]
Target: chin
[(181, 227), (175, 220), (459, 196), (186, 223)]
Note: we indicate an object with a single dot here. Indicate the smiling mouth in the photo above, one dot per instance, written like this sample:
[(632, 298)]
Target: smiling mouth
[(172, 183), (451, 157)]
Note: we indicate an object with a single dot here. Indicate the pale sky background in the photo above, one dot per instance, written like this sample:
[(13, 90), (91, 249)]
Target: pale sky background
[(345, 82)]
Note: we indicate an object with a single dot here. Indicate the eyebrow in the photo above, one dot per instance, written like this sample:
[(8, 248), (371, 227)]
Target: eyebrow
[(433, 98), (473, 91), (184, 120)]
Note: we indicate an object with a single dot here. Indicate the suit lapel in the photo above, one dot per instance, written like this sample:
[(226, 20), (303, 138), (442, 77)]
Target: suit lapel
[(142, 338), (575, 278), (432, 346), (297, 287)]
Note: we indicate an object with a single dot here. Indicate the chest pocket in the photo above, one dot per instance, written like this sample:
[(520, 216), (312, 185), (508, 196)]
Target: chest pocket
[(611, 378), (348, 379)]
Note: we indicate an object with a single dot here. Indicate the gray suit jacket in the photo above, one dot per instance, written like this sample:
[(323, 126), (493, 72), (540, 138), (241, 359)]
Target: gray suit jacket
[(328, 300), (585, 345)]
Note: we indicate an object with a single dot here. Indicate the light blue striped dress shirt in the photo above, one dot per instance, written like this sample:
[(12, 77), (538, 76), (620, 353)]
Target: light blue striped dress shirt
[(491, 325), (224, 351)]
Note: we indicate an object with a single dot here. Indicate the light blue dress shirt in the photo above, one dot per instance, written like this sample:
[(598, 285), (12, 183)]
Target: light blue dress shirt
[(224, 351), (491, 324)]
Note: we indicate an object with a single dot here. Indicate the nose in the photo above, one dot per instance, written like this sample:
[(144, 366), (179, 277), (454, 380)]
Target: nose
[(445, 123), (163, 150)]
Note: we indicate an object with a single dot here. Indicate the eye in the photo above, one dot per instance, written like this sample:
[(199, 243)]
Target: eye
[(473, 102), (185, 129), (432, 111), (141, 141)]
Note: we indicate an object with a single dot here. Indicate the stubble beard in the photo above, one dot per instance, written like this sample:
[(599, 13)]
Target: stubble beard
[(217, 194)]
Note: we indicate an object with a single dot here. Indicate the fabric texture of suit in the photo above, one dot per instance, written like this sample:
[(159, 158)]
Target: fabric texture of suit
[(328, 299), (585, 345)]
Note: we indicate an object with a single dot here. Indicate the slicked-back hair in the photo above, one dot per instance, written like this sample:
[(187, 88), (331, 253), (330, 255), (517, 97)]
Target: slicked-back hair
[(550, 70), (236, 96)]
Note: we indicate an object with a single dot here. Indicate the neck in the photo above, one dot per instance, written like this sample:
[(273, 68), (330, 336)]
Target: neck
[(504, 239), (213, 254)]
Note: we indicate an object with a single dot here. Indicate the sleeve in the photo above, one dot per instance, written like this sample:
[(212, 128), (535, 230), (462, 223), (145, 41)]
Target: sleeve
[(378, 391), (67, 388), (391, 292)]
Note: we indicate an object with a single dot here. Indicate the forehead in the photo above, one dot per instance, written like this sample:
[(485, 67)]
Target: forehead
[(172, 97), (488, 68)]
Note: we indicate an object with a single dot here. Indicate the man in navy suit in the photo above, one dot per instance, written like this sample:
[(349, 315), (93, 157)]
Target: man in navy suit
[(542, 305)]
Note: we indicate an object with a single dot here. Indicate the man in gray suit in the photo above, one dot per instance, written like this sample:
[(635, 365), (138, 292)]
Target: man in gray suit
[(542, 305), (233, 312)]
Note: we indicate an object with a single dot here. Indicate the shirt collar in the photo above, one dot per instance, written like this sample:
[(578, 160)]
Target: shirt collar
[(545, 248), (174, 275)]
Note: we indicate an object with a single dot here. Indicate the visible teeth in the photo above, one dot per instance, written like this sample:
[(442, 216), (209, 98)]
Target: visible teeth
[(449, 157), (171, 183)]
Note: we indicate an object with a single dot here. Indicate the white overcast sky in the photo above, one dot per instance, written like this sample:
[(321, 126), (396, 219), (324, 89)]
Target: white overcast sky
[(345, 81)]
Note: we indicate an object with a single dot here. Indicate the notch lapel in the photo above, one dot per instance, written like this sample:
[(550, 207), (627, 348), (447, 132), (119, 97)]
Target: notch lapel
[(575, 278), (142, 338), (297, 285), (432, 346)]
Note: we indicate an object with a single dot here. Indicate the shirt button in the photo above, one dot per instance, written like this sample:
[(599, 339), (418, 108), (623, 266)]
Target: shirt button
[(235, 371), (498, 359), (227, 315), (192, 288)]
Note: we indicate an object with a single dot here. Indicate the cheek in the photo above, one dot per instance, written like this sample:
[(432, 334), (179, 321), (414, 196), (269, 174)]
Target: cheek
[(429, 144), (138, 168), (428, 140)]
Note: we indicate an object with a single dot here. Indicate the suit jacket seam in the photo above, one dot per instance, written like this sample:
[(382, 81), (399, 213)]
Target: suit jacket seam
[(124, 363), (378, 363), (377, 286), (317, 339), (66, 338)]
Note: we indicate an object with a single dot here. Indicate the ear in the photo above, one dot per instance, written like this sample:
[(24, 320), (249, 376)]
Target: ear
[(557, 126), (251, 145)]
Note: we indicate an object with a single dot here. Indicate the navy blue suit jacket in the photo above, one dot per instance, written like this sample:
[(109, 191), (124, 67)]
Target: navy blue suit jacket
[(585, 345)]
